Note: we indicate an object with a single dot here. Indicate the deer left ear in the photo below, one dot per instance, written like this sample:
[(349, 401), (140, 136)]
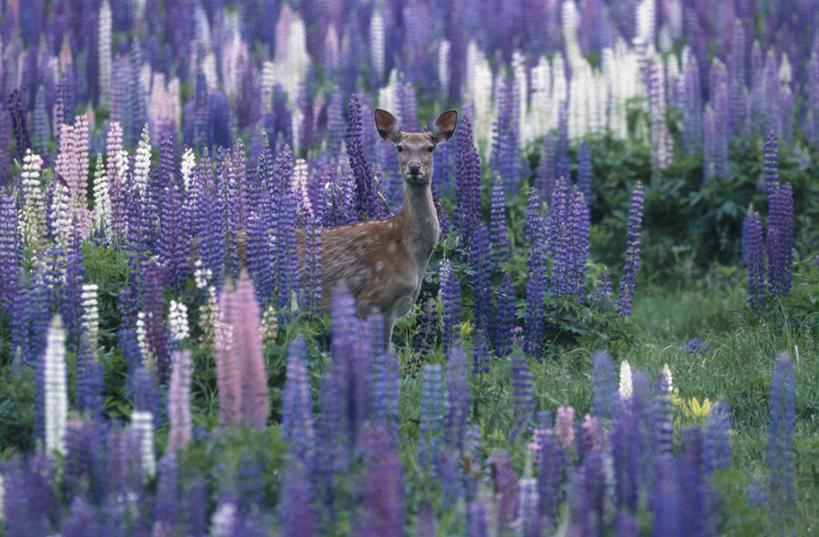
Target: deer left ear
[(444, 126)]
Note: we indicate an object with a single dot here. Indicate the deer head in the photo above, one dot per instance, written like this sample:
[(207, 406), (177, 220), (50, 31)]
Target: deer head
[(415, 148)]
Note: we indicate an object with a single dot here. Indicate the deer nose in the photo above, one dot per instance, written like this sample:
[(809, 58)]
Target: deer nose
[(414, 168)]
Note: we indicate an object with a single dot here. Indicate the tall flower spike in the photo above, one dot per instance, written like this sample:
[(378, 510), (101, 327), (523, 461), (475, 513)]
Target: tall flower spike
[(296, 514), (143, 423), (431, 414), (382, 487), (55, 388), (297, 405), (755, 259), (633, 242), (179, 409), (603, 385), (457, 402)]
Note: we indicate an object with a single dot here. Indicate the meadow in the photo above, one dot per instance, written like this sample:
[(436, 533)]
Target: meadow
[(616, 333)]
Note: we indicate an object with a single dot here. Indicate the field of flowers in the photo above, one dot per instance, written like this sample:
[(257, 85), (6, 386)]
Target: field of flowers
[(616, 334)]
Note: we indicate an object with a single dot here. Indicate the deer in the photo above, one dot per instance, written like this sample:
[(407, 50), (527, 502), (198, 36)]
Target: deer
[(382, 262)]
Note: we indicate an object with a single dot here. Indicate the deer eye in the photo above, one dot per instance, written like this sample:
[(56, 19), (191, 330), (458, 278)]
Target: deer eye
[(400, 148), (431, 148)]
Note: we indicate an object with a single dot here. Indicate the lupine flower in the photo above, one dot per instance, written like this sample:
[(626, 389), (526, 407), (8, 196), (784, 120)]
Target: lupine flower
[(143, 423), (10, 250), (755, 259), (520, 381), (381, 488), (467, 179), (457, 401), (535, 291), (692, 485), (563, 427), (501, 249), (780, 437), (178, 321), (295, 511), (386, 392), (625, 389), (451, 299), (560, 239), (179, 409), (506, 316), (603, 385), (431, 414), (545, 178), (780, 239), (717, 439), (505, 485), (478, 515), (360, 165), (156, 339), (55, 389), (529, 512), (662, 419), (297, 406), (34, 208), (579, 237), (480, 262), (632, 264), (240, 366)]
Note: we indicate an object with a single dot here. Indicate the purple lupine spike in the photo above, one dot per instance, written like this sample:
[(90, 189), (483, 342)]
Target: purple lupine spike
[(451, 298), (195, 505), (579, 246), (535, 292), (405, 99), (431, 414), (505, 157), (535, 233), (297, 406), (551, 477), (287, 255), (173, 244), (603, 385), (501, 248), (520, 381), (448, 473), (457, 403), (691, 483), (260, 258), (167, 154), (780, 239), (381, 488), (479, 260), (755, 256), (386, 385), (154, 326), (312, 275), (662, 431), (295, 512), (736, 76), (14, 106), (218, 123), (166, 501), (70, 296), (478, 515), (633, 240), (780, 436), (88, 396), (505, 483), (33, 503), (771, 165), (335, 124), (359, 164), (505, 319), (717, 440), (812, 127), (667, 509), (468, 180), (559, 241), (425, 524)]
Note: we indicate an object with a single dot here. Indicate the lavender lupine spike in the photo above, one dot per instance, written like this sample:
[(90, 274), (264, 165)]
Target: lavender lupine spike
[(480, 262), (579, 249), (501, 248), (467, 179), (755, 258), (633, 240), (559, 239), (10, 250), (296, 514), (166, 501), (457, 402), (360, 165), (603, 385), (780, 436), (545, 178), (535, 233), (505, 483), (179, 409), (154, 326), (780, 239), (451, 297), (386, 392), (505, 319), (692, 484), (297, 406), (381, 488), (717, 440), (520, 381), (431, 414)]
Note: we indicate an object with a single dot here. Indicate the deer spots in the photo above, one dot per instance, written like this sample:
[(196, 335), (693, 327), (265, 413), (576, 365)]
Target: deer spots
[(392, 247)]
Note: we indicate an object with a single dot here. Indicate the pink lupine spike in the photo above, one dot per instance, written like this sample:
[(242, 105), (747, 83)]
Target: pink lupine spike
[(227, 364), (563, 426), (179, 408), (248, 345)]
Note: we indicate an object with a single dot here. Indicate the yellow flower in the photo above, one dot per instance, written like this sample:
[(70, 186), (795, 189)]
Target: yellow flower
[(699, 411), (466, 329)]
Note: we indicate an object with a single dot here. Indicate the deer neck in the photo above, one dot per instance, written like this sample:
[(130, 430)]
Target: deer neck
[(419, 219)]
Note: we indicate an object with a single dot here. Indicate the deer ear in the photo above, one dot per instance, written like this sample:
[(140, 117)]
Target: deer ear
[(444, 126), (387, 126)]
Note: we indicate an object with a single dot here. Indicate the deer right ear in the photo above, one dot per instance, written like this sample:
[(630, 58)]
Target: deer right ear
[(387, 126)]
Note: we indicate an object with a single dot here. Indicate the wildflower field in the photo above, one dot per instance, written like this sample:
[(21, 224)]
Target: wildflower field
[(616, 334)]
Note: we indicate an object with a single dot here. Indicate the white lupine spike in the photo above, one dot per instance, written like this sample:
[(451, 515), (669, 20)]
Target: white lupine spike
[(202, 33), (223, 520), (570, 20), (142, 162), (528, 505), (55, 387), (785, 71), (645, 22), (300, 178), (102, 199), (669, 381), (34, 209), (142, 342), (625, 389), (61, 211), (331, 48), (292, 60), (537, 123), (178, 321), (187, 166), (143, 423), (105, 58), (90, 313), (519, 72), (267, 82), (443, 65), (209, 70), (386, 95), (479, 94), (377, 42)]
